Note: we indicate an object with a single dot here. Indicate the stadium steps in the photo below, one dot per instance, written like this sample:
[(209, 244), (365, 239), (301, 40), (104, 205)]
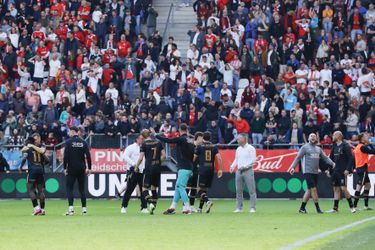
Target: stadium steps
[(182, 20)]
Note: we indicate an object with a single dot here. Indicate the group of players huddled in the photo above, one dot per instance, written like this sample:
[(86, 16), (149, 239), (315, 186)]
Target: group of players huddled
[(196, 159)]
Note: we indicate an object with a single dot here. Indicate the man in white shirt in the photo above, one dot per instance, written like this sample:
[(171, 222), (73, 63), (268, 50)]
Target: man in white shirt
[(326, 75), (133, 178), (365, 82), (114, 93), (354, 92), (244, 161), (54, 65), (45, 95), (301, 74)]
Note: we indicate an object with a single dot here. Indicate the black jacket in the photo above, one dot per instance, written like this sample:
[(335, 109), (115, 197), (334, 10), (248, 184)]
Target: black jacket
[(76, 155), (184, 151), (4, 166)]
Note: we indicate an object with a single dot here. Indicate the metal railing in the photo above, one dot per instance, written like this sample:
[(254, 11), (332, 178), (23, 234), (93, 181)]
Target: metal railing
[(170, 20)]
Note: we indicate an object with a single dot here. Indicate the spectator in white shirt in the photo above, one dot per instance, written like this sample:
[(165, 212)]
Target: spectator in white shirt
[(45, 95), (54, 65), (80, 100), (244, 161), (301, 74), (38, 68), (365, 82), (114, 93), (326, 75), (354, 92), (193, 55)]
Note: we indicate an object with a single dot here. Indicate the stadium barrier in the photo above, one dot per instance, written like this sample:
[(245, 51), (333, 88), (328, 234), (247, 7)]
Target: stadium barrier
[(105, 185)]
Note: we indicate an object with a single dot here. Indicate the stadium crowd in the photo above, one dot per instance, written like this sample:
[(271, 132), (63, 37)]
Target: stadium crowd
[(276, 70)]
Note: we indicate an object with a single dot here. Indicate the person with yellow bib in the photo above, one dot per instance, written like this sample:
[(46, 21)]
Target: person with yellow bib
[(361, 155)]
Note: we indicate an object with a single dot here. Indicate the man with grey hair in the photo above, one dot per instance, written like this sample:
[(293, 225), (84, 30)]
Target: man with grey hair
[(244, 161), (310, 155)]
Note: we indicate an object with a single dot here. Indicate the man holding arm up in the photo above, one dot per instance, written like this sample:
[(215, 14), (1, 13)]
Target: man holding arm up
[(244, 161), (185, 152), (310, 154)]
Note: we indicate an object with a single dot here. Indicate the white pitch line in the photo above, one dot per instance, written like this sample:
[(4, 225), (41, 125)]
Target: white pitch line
[(325, 234)]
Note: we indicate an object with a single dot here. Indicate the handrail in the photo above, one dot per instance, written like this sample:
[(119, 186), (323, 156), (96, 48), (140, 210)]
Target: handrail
[(167, 23)]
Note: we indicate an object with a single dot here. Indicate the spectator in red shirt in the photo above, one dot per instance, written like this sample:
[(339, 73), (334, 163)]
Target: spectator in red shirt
[(123, 48)]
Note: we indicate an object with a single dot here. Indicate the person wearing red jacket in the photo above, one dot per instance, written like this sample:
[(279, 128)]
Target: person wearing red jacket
[(43, 51), (242, 126), (62, 31), (260, 44), (123, 48), (90, 38), (78, 34)]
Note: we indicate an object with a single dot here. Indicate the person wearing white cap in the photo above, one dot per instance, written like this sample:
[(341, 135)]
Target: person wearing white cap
[(244, 161)]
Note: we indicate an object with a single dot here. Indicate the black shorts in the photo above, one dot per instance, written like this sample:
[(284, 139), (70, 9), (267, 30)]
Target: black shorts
[(338, 180), (36, 176), (151, 177), (311, 180), (193, 181), (205, 179), (362, 174)]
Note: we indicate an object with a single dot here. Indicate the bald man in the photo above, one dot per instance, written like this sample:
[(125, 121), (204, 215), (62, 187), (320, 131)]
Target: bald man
[(342, 156), (310, 155)]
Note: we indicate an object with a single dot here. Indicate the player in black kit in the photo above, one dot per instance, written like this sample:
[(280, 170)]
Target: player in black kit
[(153, 152), (76, 154), (206, 154), (192, 184), (341, 155), (34, 154)]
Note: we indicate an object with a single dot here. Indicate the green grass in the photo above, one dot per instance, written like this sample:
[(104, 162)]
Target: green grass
[(276, 224)]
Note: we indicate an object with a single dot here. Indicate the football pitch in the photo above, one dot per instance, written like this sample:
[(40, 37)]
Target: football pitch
[(276, 225)]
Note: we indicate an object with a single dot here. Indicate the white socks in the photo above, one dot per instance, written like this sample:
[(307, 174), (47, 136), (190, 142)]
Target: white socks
[(71, 209), (173, 206)]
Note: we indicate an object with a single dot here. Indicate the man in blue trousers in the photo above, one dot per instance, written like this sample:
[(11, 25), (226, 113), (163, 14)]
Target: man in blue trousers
[(185, 153)]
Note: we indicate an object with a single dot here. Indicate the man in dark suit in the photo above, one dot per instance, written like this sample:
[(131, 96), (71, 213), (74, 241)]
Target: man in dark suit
[(272, 62), (71, 46)]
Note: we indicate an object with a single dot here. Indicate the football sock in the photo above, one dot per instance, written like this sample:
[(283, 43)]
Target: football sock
[(336, 205), (365, 196), (317, 206), (154, 197), (35, 202), (356, 198), (350, 202), (192, 195)]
